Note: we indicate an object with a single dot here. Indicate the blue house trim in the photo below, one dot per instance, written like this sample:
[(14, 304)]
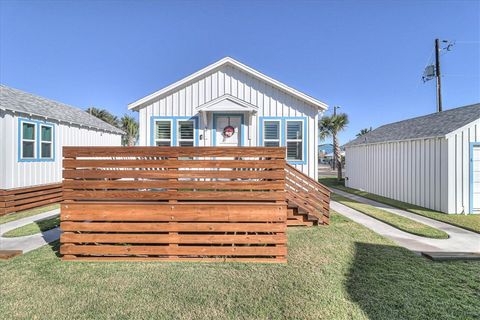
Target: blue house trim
[(214, 131), (37, 157), (472, 145), (283, 126), (174, 128)]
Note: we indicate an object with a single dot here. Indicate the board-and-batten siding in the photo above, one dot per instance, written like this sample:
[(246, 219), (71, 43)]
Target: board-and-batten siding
[(413, 171), (3, 149), (15, 174), (229, 80), (459, 166)]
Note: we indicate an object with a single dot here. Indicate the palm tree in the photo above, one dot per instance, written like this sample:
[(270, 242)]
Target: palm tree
[(331, 126), (104, 115), (129, 125), (363, 132)]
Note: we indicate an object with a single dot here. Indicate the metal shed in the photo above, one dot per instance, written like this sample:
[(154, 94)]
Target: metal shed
[(431, 161)]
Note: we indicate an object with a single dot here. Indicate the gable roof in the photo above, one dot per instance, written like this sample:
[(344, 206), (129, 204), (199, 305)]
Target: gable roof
[(20, 101), (433, 125), (232, 62)]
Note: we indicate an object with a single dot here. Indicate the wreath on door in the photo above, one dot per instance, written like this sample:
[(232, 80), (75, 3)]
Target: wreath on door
[(228, 131)]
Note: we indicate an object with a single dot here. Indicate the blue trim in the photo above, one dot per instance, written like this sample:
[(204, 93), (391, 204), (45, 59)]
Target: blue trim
[(38, 140), (472, 145), (214, 131), (283, 126), (174, 128)]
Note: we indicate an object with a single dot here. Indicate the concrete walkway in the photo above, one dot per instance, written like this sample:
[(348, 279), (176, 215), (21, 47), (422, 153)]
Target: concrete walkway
[(460, 241), (28, 243)]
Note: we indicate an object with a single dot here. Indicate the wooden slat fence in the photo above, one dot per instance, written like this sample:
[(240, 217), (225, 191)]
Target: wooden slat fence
[(174, 203), (18, 199)]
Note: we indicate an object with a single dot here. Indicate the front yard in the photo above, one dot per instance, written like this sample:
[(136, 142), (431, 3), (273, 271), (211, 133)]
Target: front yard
[(343, 271), (470, 222)]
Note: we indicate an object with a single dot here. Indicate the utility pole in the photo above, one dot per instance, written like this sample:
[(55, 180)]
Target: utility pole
[(437, 75)]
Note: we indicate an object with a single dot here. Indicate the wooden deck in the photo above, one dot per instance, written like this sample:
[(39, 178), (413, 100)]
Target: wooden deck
[(171, 203)]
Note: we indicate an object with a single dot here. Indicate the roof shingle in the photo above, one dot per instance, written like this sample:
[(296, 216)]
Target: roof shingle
[(20, 101), (432, 125)]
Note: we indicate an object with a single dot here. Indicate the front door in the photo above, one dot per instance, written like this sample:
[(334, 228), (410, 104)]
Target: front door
[(228, 130), (475, 176)]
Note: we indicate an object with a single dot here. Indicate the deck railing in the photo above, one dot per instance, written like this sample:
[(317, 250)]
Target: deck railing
[(308, 194), (182, 203)]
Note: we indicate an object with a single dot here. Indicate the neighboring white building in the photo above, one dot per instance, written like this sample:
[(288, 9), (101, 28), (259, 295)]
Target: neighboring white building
[(431, 161), (33, 131), (231, 104)]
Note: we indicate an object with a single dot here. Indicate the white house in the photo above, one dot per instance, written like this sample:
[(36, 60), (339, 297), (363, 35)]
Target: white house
[(431, 161), (33, 131), (231, 104)]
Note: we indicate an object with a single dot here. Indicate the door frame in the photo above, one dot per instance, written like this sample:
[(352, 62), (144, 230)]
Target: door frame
[(472, 146), (214, 126)]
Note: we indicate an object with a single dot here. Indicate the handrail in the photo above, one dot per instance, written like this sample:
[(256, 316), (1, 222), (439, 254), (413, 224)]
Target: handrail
[(307, 193)]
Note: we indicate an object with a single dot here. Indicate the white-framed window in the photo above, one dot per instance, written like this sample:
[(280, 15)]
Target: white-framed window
[(163, 133), (46, 141), (186, 133), (294, 140), (271, 130), (28, 140)]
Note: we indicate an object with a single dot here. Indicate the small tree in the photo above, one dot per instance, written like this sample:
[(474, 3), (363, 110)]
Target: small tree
[(104, 115), (129, 125), (363, 132), (331, 126)]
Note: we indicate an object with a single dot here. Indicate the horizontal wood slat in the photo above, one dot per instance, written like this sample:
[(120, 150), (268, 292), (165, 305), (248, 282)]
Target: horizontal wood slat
[(173, 259), (171, 164), (208, 227), (172, 174), (177, 250), (185, 184), (174, 152), (175, 238), (174, 195), (164, 203), (172, 212)]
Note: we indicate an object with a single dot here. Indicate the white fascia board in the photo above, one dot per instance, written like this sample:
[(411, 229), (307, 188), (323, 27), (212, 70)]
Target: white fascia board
[(236, 104), (225, 61), (450, 134)]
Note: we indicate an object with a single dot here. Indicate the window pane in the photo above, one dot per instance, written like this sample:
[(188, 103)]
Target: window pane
[(185, 129), (294, 129), (163, 130), (272, 129), (46, 150), (46, 133), (294, 150), (272, 144), (28, 131), (28, 149), (163, 143), (185, 143)]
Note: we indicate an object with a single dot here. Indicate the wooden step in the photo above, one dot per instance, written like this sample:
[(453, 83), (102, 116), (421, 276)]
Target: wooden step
[(8, 254)]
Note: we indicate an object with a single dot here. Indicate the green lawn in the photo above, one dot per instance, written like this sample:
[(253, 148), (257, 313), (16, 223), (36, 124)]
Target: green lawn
[(342, 271), (27, 213), (470, 222), (33, 228), (394, 220)]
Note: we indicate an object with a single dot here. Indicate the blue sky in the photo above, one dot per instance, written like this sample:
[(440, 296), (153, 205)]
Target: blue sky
[(366, 56)]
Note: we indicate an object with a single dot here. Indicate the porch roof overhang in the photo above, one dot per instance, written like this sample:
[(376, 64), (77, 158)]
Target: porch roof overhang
[(227, 103)]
